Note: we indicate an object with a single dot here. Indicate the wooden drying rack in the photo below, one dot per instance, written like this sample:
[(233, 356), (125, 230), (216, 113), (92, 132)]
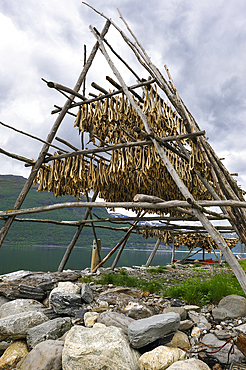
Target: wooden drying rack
[(221, 188)]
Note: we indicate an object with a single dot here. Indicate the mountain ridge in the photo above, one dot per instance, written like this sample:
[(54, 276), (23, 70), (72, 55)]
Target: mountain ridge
[(27, 233)]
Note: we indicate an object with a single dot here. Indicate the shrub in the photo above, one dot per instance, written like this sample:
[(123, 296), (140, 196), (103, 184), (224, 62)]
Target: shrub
[(123, 279), (195, 291)]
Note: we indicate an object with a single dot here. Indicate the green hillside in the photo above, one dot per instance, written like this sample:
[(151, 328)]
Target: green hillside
[(29, 233)]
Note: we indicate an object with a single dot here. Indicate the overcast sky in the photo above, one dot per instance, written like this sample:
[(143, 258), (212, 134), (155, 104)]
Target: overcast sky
[(202, 42)]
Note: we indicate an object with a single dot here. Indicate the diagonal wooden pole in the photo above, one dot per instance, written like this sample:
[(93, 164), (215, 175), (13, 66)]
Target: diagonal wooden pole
[(151, 256), (50, 137), (235, 266)]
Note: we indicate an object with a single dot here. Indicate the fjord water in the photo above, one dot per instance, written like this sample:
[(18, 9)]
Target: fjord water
[(47, 258)]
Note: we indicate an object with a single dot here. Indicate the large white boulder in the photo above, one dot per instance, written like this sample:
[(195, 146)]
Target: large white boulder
[(98, 348)]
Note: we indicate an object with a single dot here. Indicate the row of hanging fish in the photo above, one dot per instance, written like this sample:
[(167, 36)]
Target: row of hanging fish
[(112, 120), (106, 118), (189, 240), (131, 170)]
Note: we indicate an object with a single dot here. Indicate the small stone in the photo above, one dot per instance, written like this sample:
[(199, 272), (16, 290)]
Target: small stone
[(196, 332), (192, 308), (46, 355), (98, 325), (180, 340), (103, 304), (190, 364), (161, 358), (136, 311), (79, 317), (241, 329), (13, 354), (66, 304), (3, 346), (185, 325), (180, 310), (90, 318), (66, 287), (86, 293), (193, 316), (52, 329)]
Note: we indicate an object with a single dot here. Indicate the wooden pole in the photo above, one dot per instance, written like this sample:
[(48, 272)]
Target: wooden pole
[(149, 260), (119, 254), (49, 139), (125, 237), (76, 236), (237, 269), (124, 242), (173, 253), (108, 95), (128, 205), (96, 253)]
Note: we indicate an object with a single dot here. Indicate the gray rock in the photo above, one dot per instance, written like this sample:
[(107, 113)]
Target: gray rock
[(145, 331), (241, 329), (31, 292), (219, 314), (50, 313), (86, 293), (186, 325), (180, 310), (66, 287), (115, 319), (16, 326), (45, 356), (135, 310), (20, 305), (66, 304), (52, 329), (47, 286), (98, 348), (222, 355), (79, 317), (234, 306), (224, 335)]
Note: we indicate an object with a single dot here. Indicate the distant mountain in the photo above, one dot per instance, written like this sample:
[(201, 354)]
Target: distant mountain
[(30, 233)]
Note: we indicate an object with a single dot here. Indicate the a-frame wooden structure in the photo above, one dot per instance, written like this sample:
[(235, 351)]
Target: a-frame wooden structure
[(157, 158)]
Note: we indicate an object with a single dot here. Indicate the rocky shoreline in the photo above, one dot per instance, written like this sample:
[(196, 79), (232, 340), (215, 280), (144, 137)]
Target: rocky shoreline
[(56, 321)]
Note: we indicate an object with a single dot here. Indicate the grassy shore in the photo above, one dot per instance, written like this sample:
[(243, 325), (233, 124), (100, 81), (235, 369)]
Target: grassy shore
[(195, 285)]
